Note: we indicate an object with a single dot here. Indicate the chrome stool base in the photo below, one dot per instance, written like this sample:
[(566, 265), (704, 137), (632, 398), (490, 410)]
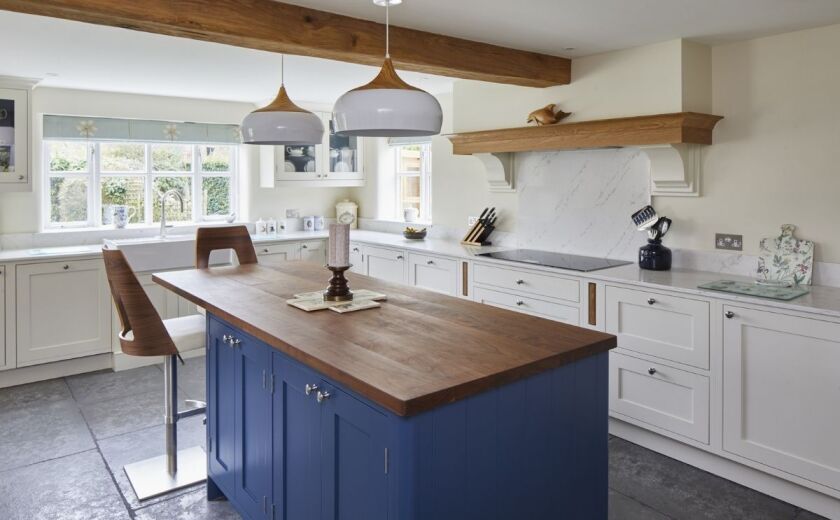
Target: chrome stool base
[(150, 478)]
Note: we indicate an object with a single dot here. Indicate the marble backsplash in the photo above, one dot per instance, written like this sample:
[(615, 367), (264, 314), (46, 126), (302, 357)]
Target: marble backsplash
[(580, 202)]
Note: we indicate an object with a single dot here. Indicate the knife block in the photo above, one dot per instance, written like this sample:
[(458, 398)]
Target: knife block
[(480, 239)]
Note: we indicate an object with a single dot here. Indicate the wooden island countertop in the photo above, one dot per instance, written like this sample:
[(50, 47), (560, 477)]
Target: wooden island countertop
[(418, 351)]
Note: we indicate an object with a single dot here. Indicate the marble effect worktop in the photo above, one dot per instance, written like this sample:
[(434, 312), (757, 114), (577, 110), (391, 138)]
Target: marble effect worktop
[(822, 300)]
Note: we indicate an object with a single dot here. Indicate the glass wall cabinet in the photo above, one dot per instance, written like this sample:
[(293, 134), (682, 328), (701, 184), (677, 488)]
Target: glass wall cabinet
[(14, 139)]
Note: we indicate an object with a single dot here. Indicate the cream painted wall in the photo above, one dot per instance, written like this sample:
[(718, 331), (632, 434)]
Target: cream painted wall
[(773, 159), (21, 212)]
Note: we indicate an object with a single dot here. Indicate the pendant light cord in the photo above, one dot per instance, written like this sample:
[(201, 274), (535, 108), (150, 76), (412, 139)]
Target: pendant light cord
[(282, 69), (387, 30)]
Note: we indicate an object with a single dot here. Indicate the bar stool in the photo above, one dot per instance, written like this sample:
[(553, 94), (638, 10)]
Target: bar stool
[(144, 333), (209, 239)]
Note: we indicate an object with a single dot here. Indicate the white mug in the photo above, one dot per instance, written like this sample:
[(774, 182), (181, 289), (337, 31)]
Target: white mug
[(123, 215), (319, 223)]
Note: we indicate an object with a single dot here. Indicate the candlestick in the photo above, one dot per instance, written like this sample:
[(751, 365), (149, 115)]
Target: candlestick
[(338, 290), (339, 247)]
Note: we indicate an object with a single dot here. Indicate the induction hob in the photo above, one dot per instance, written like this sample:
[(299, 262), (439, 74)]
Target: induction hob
[(557, 260)]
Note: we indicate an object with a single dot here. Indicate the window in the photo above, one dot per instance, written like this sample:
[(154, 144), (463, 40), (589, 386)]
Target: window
[(87, 179), (414, 179)]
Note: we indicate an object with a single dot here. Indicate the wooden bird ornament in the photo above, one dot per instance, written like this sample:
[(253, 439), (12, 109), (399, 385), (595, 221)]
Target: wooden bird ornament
[(547, 115)]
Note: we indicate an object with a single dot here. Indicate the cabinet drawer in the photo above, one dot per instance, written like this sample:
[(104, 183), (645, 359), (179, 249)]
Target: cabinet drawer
[(664, 326), (385, 264), (434, 273), (272, 254), (357, 259), (530, 282), (528, 304), (662, 396)]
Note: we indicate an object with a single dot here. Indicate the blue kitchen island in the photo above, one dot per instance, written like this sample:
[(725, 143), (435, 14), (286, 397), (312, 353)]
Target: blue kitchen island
[(430, 407)]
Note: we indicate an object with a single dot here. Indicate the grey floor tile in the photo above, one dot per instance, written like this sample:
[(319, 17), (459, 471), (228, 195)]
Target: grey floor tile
[(807, 515), (41, 432), (190, 506), (625, 508), (34, 393), (76, 487), (124, 414), (140, 445), (191, 378), (684, 492), (106, 385)]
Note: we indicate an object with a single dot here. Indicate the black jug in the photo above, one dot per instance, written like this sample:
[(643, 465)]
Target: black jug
[(654, 256)]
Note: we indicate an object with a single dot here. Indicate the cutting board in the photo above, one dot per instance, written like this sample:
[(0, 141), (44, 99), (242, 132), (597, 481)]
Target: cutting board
[(786, 258)]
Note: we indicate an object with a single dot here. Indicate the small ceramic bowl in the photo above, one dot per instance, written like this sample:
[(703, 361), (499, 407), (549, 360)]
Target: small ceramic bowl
[(418, 235)]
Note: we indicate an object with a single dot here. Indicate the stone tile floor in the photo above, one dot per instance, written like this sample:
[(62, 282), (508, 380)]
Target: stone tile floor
[(63, 444)]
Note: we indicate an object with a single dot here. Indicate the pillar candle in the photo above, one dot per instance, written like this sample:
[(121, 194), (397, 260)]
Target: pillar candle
[(339, 253)]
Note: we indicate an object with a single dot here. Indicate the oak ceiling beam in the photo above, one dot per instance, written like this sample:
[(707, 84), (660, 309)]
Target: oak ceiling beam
[(277, 27)]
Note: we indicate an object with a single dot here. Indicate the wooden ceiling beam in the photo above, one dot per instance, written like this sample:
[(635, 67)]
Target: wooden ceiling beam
[(277, 27)]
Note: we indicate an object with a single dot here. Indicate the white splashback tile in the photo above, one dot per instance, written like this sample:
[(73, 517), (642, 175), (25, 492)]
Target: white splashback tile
[(580, 202)]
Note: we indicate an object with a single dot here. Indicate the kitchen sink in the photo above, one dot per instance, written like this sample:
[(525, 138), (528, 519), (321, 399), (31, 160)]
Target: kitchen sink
[(162, 253)]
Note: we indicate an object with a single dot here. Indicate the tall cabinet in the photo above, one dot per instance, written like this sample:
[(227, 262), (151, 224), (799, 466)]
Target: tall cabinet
[(15, 172), (336, 161)]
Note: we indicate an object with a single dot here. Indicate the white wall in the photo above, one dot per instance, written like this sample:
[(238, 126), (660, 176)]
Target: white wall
[(21, 212), (773, 161)]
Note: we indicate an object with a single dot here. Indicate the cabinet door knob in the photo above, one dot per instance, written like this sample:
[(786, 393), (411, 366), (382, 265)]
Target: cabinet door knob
[(520, 303), (430, 262), (66, 267), (399, 257), (20, 177), (304, 246), (322, 396), (729, 314), (308, 389), (520, 281), (651, 371), (355, 249), (651, 301), (265, 250)]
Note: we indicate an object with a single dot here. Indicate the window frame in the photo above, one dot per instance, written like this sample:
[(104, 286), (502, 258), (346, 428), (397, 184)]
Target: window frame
[(94, 176), (425, 176)]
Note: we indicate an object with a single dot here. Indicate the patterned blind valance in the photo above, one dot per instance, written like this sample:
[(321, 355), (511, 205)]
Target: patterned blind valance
[(107, 129)]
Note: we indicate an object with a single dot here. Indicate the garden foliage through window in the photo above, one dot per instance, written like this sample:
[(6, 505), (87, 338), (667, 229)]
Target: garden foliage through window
[(86, 179)]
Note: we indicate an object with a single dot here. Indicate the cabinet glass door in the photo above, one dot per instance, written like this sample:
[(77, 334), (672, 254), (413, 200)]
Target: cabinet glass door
[(13, 132), (343, 153), (300, 161), (7, 136)]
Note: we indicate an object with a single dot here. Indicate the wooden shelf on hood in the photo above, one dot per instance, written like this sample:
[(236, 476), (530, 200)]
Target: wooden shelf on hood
[(659, 129)]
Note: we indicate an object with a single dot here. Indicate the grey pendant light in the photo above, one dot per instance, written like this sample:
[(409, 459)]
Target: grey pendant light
[(387, 106), (282, 122)]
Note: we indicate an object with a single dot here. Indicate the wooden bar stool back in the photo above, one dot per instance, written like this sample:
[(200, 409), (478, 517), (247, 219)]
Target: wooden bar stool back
[(209, 239), (144, 333)]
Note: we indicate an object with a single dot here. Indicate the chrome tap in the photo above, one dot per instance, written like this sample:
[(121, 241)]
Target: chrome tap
[(163, 198)]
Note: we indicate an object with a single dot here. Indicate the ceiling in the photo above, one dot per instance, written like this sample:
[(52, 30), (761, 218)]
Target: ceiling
[(594, 26), (92, 57), (76, 55)]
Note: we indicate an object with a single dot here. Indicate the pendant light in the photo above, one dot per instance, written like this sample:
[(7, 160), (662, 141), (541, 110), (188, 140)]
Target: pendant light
[(387, 106), (282, 122)]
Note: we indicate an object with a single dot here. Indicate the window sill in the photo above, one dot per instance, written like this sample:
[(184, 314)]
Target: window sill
[(138, 229)]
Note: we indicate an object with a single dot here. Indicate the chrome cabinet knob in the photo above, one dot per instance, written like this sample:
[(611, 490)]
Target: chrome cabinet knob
[(520, 303), (322, 396), (227, 338), (20, 177), (430, 262), (651, 371), (729, 314), (308, 389), (651, 301), (265, 250), (355, 249), (304, 246), (520, 281), (399, 257), (66, 267)]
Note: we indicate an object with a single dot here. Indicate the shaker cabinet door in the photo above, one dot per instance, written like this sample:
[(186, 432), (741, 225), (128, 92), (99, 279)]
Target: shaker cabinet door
[(781, 392), (221, 402), (296, 440), (386, 264), (355, 459), (4, 356)]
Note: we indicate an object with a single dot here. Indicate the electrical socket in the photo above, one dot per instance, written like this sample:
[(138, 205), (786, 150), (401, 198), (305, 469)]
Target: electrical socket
[(471, 221), (729, 242)]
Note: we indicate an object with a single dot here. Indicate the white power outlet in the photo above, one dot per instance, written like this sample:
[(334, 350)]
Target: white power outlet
[(471, 220)]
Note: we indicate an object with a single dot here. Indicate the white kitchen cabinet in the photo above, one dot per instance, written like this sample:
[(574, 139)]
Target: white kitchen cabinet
[(4, 355), (521, 302), (527, 281), (661, 325), (661, 396), (275, 254), (314, 251), (63, 311), (434, 273), (357, 259), (336, 161), (781, 392), (385, 264), (14, 135)]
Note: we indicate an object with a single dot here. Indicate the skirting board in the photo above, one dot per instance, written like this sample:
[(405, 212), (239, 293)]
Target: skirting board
[(69, 367), (758, 480), (125, 362)]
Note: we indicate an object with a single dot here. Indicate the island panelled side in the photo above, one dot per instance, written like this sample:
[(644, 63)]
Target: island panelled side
[(287, 442)]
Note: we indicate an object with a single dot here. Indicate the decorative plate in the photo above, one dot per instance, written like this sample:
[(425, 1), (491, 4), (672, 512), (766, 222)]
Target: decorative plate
[(786, 258), (342, 166), (289, 167)]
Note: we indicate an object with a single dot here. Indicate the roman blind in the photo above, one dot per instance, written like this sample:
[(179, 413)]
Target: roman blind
[(110, 129)]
